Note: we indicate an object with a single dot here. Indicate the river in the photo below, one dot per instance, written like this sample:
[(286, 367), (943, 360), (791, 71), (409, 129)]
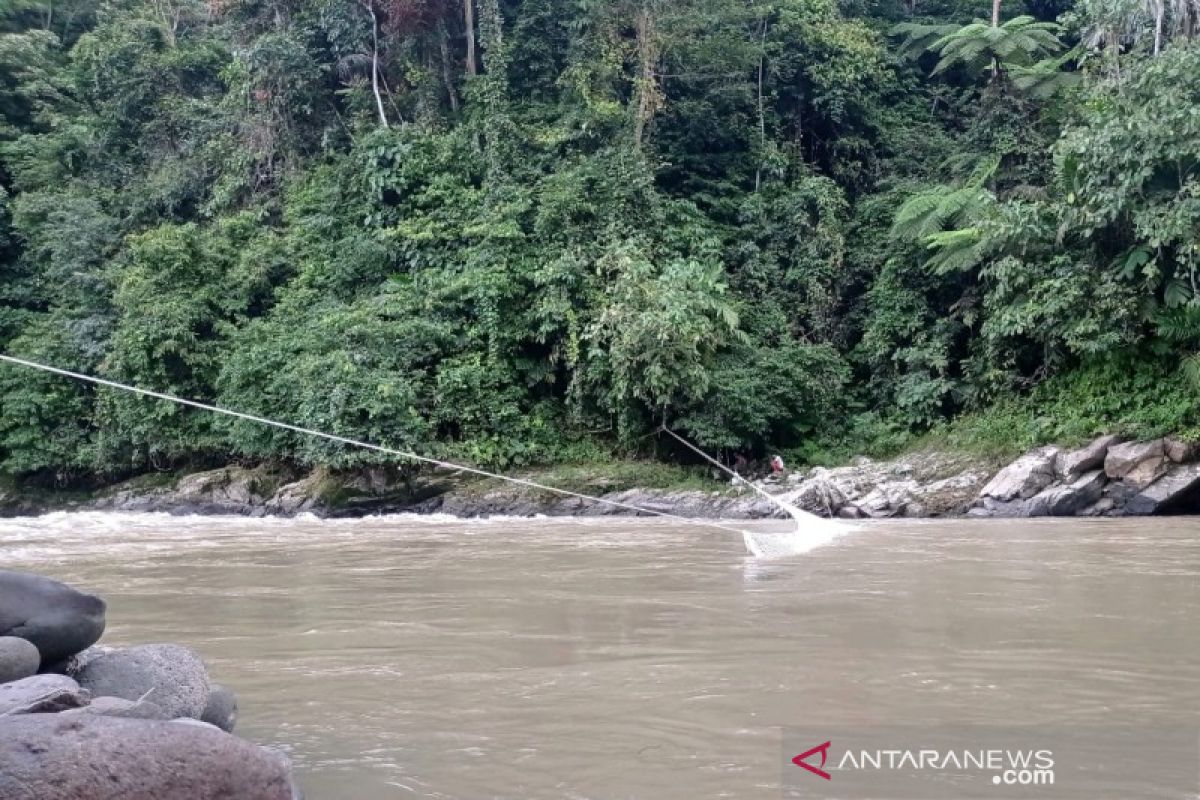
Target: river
[(435, 658)]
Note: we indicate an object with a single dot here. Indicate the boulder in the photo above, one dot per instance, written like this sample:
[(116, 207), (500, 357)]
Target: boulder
[(120, 707), (1146, 473), (170, 676), (72, 666), (221, 709), (19, 658), (887, 500), (230, 490), (1072, 464), (1177, 491), (1179, 451), (987, 507), (1099, 508), (818, 496), (1119, 494), (1024, 478), (1068, 499), (58, 620), (195, 723), (949, 496), (41, 694), (1138, 464), (92, 757)]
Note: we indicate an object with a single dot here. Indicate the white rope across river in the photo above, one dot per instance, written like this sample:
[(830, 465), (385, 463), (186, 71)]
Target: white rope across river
[(754, 542)]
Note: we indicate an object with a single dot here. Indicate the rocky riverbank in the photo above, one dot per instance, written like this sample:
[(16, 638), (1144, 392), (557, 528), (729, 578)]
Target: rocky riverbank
[(1106, 477), (84, 722)]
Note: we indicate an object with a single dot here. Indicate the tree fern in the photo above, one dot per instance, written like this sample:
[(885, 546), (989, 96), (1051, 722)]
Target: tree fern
[(1180, 325), (1047, 77), (1191, 370), (978, 46), (956, 251), (934, 210), (919, 39)]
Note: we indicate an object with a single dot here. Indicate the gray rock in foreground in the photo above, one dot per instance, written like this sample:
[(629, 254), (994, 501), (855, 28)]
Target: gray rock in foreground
[(120, 707), (41, 694), (72, 666), (87, 757), (58, 620), (19, 658), (169, 676)]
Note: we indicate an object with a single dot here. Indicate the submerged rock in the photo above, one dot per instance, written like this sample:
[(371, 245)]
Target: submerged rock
[(19, 658), (59, 620), (92, 757), (170, 676)]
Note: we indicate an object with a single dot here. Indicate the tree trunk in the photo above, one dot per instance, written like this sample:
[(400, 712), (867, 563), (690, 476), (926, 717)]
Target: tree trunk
[(762, 114), (469, 24), (1159, 11), (995, 24), (447, 75), (383, 120), (649, 97)]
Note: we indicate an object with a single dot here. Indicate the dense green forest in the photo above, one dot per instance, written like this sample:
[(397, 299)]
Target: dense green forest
[(533, 231)]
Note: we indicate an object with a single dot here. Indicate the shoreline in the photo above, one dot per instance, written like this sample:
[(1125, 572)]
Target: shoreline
[(1106, 477)]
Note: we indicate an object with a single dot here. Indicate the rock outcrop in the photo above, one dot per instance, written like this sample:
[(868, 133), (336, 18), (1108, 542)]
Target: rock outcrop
[(1169, 493), (1136, 464), (1024, 478), (1101, 478), (1125, 479), (1073, 463)]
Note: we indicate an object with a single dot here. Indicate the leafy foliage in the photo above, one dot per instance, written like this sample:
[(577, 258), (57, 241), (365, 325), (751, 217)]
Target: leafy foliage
[(549, 230)]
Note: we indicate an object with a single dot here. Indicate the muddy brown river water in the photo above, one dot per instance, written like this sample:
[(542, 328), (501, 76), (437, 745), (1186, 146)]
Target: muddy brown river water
[(435, 658)]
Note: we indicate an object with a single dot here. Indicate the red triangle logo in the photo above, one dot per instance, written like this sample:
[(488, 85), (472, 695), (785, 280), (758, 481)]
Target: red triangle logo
[(823, 749)]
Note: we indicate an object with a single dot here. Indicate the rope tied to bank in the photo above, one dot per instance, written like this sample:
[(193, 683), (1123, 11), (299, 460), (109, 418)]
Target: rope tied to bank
[(79, 376)]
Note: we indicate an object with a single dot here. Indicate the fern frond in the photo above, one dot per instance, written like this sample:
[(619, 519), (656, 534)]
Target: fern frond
[(1191, 370), (919, 39), (1180, 325), (912, 214), (955, 251)]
